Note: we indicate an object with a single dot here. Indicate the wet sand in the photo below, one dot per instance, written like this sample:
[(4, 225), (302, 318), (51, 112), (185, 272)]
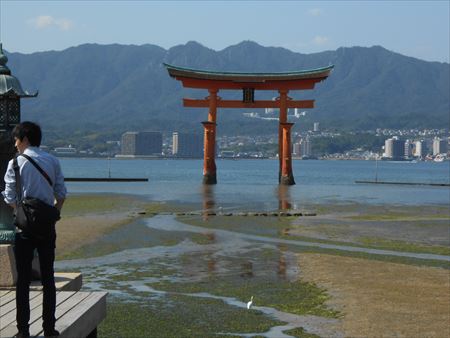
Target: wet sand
[(382, 299), (85, 218)]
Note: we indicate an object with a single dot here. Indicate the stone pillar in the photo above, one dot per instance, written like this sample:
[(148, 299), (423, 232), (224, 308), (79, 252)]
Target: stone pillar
[(209, 162), (287, 178), (8, 272)]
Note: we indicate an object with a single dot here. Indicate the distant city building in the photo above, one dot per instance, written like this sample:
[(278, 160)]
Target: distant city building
[(408, 148), (316, 127), (144, 143), (302, 148), (420, 149), (394, 149), (296, 149), (187, 145), (440, 146)]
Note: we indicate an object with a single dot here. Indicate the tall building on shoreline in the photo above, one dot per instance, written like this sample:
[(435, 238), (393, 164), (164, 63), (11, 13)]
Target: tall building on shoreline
[(420, 149), (302, 148), (187, 145), (144, 143), (408, 149), (440, 146), (394, 149)]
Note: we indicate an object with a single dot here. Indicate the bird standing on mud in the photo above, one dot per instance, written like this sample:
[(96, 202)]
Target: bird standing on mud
[(249, 304)]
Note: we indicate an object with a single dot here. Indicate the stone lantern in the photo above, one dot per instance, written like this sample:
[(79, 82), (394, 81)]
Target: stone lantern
[(10, 94)]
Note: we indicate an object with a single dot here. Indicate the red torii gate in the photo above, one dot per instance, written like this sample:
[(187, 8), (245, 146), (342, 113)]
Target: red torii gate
[(248, 83)]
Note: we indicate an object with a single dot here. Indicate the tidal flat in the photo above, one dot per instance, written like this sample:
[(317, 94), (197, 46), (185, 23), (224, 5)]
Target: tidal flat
[(171, 275)]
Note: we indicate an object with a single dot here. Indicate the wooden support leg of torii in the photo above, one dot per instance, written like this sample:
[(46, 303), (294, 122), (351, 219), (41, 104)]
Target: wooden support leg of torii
[(286, 177), (209, 163)]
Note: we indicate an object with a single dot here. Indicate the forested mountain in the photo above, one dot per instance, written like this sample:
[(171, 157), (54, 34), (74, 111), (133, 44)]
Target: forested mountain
[(114, 88)]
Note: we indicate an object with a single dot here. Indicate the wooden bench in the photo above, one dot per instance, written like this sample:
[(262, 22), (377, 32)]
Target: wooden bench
[(77, 313), (64, 281)]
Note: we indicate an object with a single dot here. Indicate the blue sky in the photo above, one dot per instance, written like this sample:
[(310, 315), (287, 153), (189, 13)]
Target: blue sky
[(415, 28)]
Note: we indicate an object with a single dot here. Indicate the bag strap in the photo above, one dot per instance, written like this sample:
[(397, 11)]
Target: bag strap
[(33, 162), (18, 181)]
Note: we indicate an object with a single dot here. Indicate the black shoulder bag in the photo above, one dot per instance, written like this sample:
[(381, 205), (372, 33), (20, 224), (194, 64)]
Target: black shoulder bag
[(34, 217)]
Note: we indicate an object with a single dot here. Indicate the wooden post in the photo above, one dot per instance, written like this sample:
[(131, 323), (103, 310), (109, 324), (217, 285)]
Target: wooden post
[(209, 163), (287, 178), (209, 156), (282, 119)]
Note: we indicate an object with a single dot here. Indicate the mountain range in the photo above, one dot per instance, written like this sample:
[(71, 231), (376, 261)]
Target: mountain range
[(115, 88)]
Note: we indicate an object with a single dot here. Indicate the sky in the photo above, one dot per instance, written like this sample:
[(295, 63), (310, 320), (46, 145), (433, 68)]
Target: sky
[(419, 29)]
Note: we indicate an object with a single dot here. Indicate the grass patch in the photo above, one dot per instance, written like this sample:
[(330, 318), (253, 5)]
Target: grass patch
[(76, 205), (180, 316), (294, 297), (300, 333)]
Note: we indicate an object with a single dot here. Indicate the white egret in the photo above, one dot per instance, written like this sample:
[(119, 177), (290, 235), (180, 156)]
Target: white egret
[(249, 304)]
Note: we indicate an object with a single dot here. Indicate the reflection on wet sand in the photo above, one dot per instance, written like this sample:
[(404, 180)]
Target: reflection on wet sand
[(284, 197), (282, 193), (209, 201), (282, 264)]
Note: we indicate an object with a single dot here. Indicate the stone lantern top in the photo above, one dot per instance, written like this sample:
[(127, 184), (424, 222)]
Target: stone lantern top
[(8, 83)]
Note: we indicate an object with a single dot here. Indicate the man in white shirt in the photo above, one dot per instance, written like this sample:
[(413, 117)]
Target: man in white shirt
[(27, 136)]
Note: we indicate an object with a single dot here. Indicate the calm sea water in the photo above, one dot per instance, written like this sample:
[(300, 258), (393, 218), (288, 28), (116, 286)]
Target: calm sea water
[(246, 183)]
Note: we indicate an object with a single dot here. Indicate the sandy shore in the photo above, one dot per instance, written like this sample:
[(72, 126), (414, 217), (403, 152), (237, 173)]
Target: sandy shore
[(381, 299), (85, 218)]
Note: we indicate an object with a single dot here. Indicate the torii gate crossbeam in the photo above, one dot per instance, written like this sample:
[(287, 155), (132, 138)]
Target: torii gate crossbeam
[(248, 83)]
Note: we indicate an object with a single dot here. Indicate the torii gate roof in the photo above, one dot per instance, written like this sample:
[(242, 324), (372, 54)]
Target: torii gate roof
[(196, 78)]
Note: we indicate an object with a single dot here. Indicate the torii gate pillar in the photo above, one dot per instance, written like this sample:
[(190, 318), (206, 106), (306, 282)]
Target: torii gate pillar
[(286, 177), (209, 162), (209, 151)]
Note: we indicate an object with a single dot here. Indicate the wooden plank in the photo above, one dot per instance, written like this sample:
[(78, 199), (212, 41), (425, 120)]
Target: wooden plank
[(8, 311), (64, 300), (64, 281), (77, 314), (194, 103), (6, 298), (85, 317), (3, 293), (9, 328)]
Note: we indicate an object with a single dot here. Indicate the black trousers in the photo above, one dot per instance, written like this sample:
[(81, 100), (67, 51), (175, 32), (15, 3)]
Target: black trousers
[(24, 250)]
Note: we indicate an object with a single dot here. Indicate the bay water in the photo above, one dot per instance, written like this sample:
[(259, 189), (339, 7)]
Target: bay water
[(249, 184)]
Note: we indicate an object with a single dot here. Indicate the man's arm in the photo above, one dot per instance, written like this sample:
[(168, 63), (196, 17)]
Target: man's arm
[(59, 203), (9, 194)]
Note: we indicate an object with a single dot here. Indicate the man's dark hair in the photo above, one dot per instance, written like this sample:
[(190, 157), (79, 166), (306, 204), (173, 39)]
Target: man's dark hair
[(30, 130)]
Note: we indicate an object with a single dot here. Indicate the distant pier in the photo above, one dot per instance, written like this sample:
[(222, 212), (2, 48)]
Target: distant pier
[(406, 183), (104, 179)]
